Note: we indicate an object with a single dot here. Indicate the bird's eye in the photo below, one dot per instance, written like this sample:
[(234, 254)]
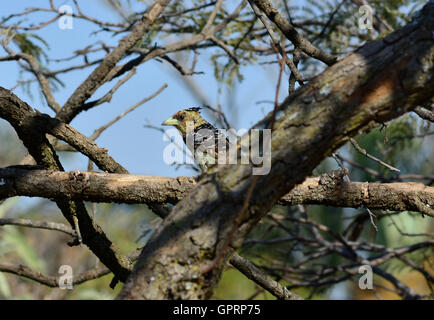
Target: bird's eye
[(181, 117)]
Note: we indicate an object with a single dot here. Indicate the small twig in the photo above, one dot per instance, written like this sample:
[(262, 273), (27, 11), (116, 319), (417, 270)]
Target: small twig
[(371, 217), (35, 68), (39, 225), (222, 45), (53, 281), (195, 8), (424, 113), (329, 21), (341, 165), (178, 67), (296, 55), (365, 153), (406, 234), (221, 114), (213, 15), (256, 293), (98, 131), (108, 96), (282, 62)]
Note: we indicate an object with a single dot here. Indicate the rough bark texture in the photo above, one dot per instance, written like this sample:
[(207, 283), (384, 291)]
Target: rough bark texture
[(93, 186), (381, 81), (331, 189), (327, 189)]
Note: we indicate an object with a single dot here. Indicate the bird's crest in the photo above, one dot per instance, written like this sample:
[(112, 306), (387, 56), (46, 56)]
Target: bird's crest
[(195, 109)]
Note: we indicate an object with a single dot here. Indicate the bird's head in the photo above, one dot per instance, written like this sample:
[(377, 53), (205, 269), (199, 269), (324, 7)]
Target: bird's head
[(185, 120)]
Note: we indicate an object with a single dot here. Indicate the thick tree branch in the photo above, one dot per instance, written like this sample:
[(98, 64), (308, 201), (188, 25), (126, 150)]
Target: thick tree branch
[(327, 189), (78, 141), (331, 189), (14, 109), (381, 81), (425, 113), (290, 63)]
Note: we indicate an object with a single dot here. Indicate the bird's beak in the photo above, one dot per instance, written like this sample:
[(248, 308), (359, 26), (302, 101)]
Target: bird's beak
[(170, 122)]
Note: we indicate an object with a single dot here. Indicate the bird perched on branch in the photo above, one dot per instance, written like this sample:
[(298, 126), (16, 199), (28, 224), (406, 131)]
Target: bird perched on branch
[(206, 142)]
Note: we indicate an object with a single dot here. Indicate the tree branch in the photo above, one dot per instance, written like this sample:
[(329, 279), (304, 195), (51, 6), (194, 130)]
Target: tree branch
[(292, 34), (376, 84), (425, 113), (53, 281), (21, 116), (327, 189), (38, 225), (253, 273)]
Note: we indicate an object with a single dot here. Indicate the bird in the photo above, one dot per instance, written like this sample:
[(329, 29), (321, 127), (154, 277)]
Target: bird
[(206, 141)]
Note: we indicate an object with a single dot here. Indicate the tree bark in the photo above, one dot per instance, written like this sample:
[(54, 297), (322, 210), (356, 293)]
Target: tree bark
[(327, 189), (381, 81)]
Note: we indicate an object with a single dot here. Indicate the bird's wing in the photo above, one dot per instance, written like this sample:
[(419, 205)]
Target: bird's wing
[(207, 139)]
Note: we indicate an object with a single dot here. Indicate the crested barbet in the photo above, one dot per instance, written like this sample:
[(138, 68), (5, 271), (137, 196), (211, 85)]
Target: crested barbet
[(205, 141)]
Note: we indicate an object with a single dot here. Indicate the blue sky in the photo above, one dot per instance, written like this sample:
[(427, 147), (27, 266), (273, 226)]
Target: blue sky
[(138, 149)]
